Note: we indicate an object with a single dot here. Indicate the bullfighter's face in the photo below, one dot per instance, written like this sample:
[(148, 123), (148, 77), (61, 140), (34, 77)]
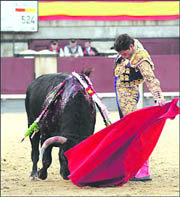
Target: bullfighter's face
[(127, 54)]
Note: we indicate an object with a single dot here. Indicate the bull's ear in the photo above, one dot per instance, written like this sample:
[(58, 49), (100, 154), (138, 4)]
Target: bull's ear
[(88, 71)]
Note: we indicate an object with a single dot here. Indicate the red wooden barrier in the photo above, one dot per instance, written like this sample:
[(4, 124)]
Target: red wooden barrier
[(17, 73), (101, 77), (167, 71)]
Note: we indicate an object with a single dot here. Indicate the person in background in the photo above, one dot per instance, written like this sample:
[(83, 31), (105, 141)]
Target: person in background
[(88, 50), (55, 48), (134, 66), (73, 49)]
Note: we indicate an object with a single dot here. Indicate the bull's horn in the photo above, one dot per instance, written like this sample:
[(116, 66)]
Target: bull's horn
[(57, 139)]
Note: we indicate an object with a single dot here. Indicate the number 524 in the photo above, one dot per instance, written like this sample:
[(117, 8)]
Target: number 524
[(27, 19)]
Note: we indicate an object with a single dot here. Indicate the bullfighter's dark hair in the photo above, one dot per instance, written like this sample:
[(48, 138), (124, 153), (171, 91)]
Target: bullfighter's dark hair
[(123, 42)]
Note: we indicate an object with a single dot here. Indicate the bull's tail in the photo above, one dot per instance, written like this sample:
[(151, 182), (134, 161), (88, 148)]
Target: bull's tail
[(51, 140)]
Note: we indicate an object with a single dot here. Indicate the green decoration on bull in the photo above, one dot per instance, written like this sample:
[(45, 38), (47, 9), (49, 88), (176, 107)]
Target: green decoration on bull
[(34, 127), (52, 97)]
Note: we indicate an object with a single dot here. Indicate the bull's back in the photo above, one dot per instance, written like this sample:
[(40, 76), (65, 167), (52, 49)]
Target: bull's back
[(37, 91)]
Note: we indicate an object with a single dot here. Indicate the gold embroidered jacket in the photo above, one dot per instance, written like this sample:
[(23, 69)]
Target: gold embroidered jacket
[(137, 70)]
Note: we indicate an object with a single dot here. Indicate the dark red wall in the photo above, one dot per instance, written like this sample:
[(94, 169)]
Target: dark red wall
[(167, 71), (17, 73), (161, 46), (102, 76)]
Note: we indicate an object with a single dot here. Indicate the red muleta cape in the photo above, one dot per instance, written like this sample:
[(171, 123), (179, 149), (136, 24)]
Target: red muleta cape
[(115, 154)]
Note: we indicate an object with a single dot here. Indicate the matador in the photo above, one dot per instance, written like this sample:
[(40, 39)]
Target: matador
[(134, 66)]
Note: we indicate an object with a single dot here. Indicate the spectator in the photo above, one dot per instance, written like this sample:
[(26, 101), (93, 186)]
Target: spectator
[(72, 49), (88, 50), (55, 48)]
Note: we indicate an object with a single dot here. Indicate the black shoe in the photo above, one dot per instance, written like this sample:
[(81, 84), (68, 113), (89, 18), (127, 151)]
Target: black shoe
[(145, 178)]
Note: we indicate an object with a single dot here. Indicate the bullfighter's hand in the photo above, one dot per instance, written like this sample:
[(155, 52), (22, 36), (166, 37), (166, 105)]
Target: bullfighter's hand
[(161, 102)]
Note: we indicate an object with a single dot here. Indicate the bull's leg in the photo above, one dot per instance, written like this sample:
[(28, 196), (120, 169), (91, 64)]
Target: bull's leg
[(34, 155), (64, 171), (46, 162)]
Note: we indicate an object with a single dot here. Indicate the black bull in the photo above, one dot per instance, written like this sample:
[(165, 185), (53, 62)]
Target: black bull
[(73, 116)]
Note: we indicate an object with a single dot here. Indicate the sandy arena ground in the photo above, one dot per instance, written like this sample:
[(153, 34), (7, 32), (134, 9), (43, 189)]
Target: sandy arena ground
[(16, 165)]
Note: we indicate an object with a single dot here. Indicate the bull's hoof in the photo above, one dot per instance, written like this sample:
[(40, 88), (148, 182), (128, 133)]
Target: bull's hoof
[(42, 174), (34, 176), (65, 178), (64, 175)]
